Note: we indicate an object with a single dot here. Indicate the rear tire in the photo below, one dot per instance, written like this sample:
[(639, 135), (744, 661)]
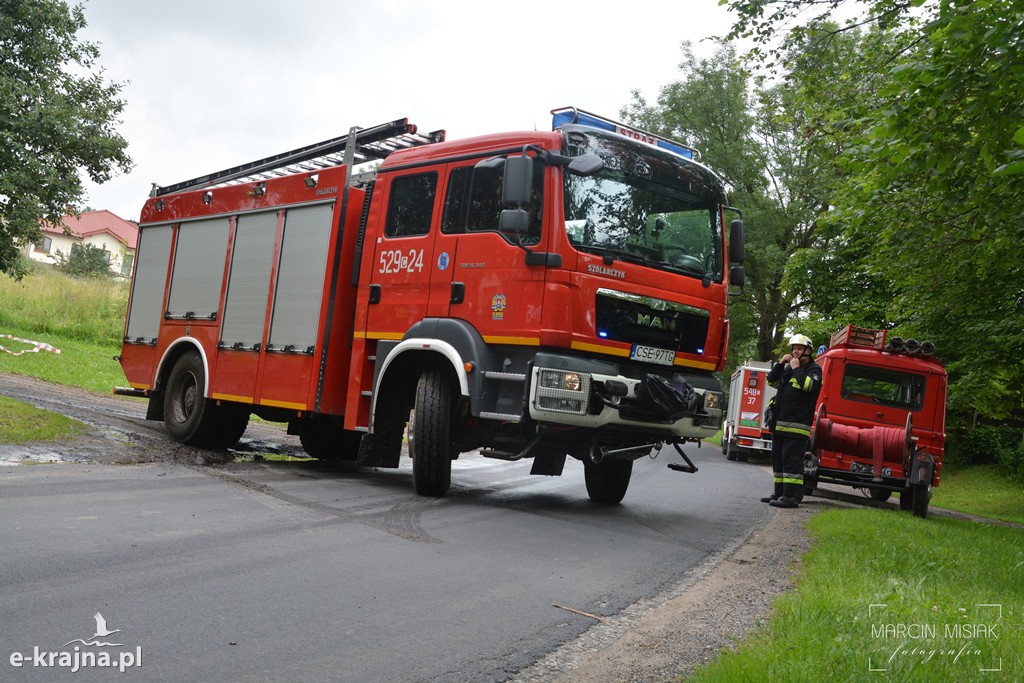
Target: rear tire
[(607, 480), (324, 438), (191, 417), (880, 495), (730, 454), (921, 498), (431, 431)]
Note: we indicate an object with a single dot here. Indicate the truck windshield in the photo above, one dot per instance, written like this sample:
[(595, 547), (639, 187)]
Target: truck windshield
[(645, 206)]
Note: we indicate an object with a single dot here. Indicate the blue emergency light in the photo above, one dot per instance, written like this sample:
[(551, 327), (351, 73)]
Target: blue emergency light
[(573, 115)]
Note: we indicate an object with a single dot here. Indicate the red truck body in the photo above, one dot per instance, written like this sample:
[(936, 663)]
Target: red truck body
[(881, 418), (535, 294)]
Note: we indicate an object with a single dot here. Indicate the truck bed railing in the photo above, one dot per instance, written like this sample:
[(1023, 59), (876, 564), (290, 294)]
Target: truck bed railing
[(367, 144)]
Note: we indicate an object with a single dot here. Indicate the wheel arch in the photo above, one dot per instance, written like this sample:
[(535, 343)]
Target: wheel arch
[(403, 366)]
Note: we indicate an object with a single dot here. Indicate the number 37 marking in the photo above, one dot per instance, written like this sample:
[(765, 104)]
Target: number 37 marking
[(395, 261)]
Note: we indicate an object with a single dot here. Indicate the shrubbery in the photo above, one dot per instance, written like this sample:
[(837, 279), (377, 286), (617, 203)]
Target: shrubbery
[(998, 444)]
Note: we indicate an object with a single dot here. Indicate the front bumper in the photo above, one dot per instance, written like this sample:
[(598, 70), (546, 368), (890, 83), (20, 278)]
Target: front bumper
[(592, 395)]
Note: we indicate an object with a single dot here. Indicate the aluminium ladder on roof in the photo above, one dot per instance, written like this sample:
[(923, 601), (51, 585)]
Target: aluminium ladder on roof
[(359, 146)]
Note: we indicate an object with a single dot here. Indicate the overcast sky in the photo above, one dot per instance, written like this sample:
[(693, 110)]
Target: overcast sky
[(215, 83)]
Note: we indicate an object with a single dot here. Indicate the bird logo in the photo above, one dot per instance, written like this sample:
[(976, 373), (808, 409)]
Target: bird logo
[(101, 632)]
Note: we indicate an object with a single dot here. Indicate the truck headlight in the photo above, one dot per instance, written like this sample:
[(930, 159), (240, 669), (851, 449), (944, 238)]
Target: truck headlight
[(563, 391), (712, 400)]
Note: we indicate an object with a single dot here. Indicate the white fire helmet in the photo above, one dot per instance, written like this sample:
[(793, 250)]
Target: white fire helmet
[(801, 340)]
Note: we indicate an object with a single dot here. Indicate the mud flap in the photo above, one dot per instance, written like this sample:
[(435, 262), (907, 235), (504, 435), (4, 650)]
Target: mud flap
[(922, 469)]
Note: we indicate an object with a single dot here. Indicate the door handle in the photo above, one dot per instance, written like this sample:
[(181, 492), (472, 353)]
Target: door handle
[(458, 292), (374, 294)]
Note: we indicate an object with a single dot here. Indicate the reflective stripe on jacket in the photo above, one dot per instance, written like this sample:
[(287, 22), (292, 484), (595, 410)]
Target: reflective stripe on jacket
[(797, 396)]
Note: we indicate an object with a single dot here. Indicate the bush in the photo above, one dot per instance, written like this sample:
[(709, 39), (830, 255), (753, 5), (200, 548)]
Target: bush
[(85, 260), (1000, 444)]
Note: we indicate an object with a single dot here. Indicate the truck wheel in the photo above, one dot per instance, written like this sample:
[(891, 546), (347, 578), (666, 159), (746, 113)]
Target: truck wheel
[(228, 423), (880, 495), (921, 498), (431, 427), (607, 480), (810, 484), (730, 454), (323, 438)]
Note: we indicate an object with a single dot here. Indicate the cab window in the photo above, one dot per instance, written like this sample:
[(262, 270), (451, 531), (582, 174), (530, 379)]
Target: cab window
[(411, 205), (473, 202), (883, 387)]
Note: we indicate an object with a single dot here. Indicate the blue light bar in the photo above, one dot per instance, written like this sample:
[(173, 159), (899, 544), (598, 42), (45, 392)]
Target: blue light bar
[(573, 115)]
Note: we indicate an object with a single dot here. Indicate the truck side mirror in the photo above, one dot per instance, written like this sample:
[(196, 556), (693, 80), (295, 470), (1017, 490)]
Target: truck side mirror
[(737, 249), (514, 221), (737, 276), (518, 182)]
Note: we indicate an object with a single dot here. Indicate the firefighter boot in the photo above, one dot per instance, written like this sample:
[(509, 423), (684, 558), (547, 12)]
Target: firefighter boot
[(769, 499), (785, 502)]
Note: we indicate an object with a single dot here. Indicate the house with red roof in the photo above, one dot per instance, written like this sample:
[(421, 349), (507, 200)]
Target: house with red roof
[(102, 229)]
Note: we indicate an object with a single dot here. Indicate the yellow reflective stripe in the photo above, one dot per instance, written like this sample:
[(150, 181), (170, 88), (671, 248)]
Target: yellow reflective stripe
[(802, 431), (793, 481)]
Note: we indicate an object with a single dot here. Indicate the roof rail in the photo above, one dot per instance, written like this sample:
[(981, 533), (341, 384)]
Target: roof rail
[(360, 145)]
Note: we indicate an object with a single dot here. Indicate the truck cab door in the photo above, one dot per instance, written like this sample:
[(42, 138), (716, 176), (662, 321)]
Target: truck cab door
[(483, 270), (403, 253)]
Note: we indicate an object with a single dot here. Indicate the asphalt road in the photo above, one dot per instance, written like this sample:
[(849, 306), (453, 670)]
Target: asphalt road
[(260, 571)]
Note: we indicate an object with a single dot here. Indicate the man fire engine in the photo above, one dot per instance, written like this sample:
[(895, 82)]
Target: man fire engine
[(534, 295)]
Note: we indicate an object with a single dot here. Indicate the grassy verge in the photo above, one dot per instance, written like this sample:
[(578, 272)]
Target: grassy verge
[(983, 490), (881, 590), (20, 423), (84, 364)]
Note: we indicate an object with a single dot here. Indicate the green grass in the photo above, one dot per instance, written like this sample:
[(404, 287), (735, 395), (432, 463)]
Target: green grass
[(84, 364), (52, 304), (981, 490), (20, 423), (919, 575)]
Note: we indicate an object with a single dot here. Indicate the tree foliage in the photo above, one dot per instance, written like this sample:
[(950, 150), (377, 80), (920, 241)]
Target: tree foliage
[(58, 118), (926, 215)]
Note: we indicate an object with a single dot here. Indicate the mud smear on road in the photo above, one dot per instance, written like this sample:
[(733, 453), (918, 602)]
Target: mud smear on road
[(119, 432)]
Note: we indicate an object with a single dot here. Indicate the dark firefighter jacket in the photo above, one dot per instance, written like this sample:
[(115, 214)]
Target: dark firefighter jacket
[(797, 397)]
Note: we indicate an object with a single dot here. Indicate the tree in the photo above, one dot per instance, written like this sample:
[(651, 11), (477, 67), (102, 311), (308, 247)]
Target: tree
[(931, 187), (751, 133), (58, 118)]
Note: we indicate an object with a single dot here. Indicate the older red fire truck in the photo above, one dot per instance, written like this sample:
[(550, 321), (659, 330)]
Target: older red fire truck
[(534, 295), (881, 420)]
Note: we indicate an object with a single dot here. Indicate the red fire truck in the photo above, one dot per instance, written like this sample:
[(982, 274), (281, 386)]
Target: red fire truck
[(743, 430), (534, 295), (881, 418)]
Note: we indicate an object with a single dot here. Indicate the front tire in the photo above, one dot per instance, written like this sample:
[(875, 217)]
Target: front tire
[(607, 480), (431, 431)]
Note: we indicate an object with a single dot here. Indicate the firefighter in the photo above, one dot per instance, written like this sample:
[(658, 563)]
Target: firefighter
[(798, 380)]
